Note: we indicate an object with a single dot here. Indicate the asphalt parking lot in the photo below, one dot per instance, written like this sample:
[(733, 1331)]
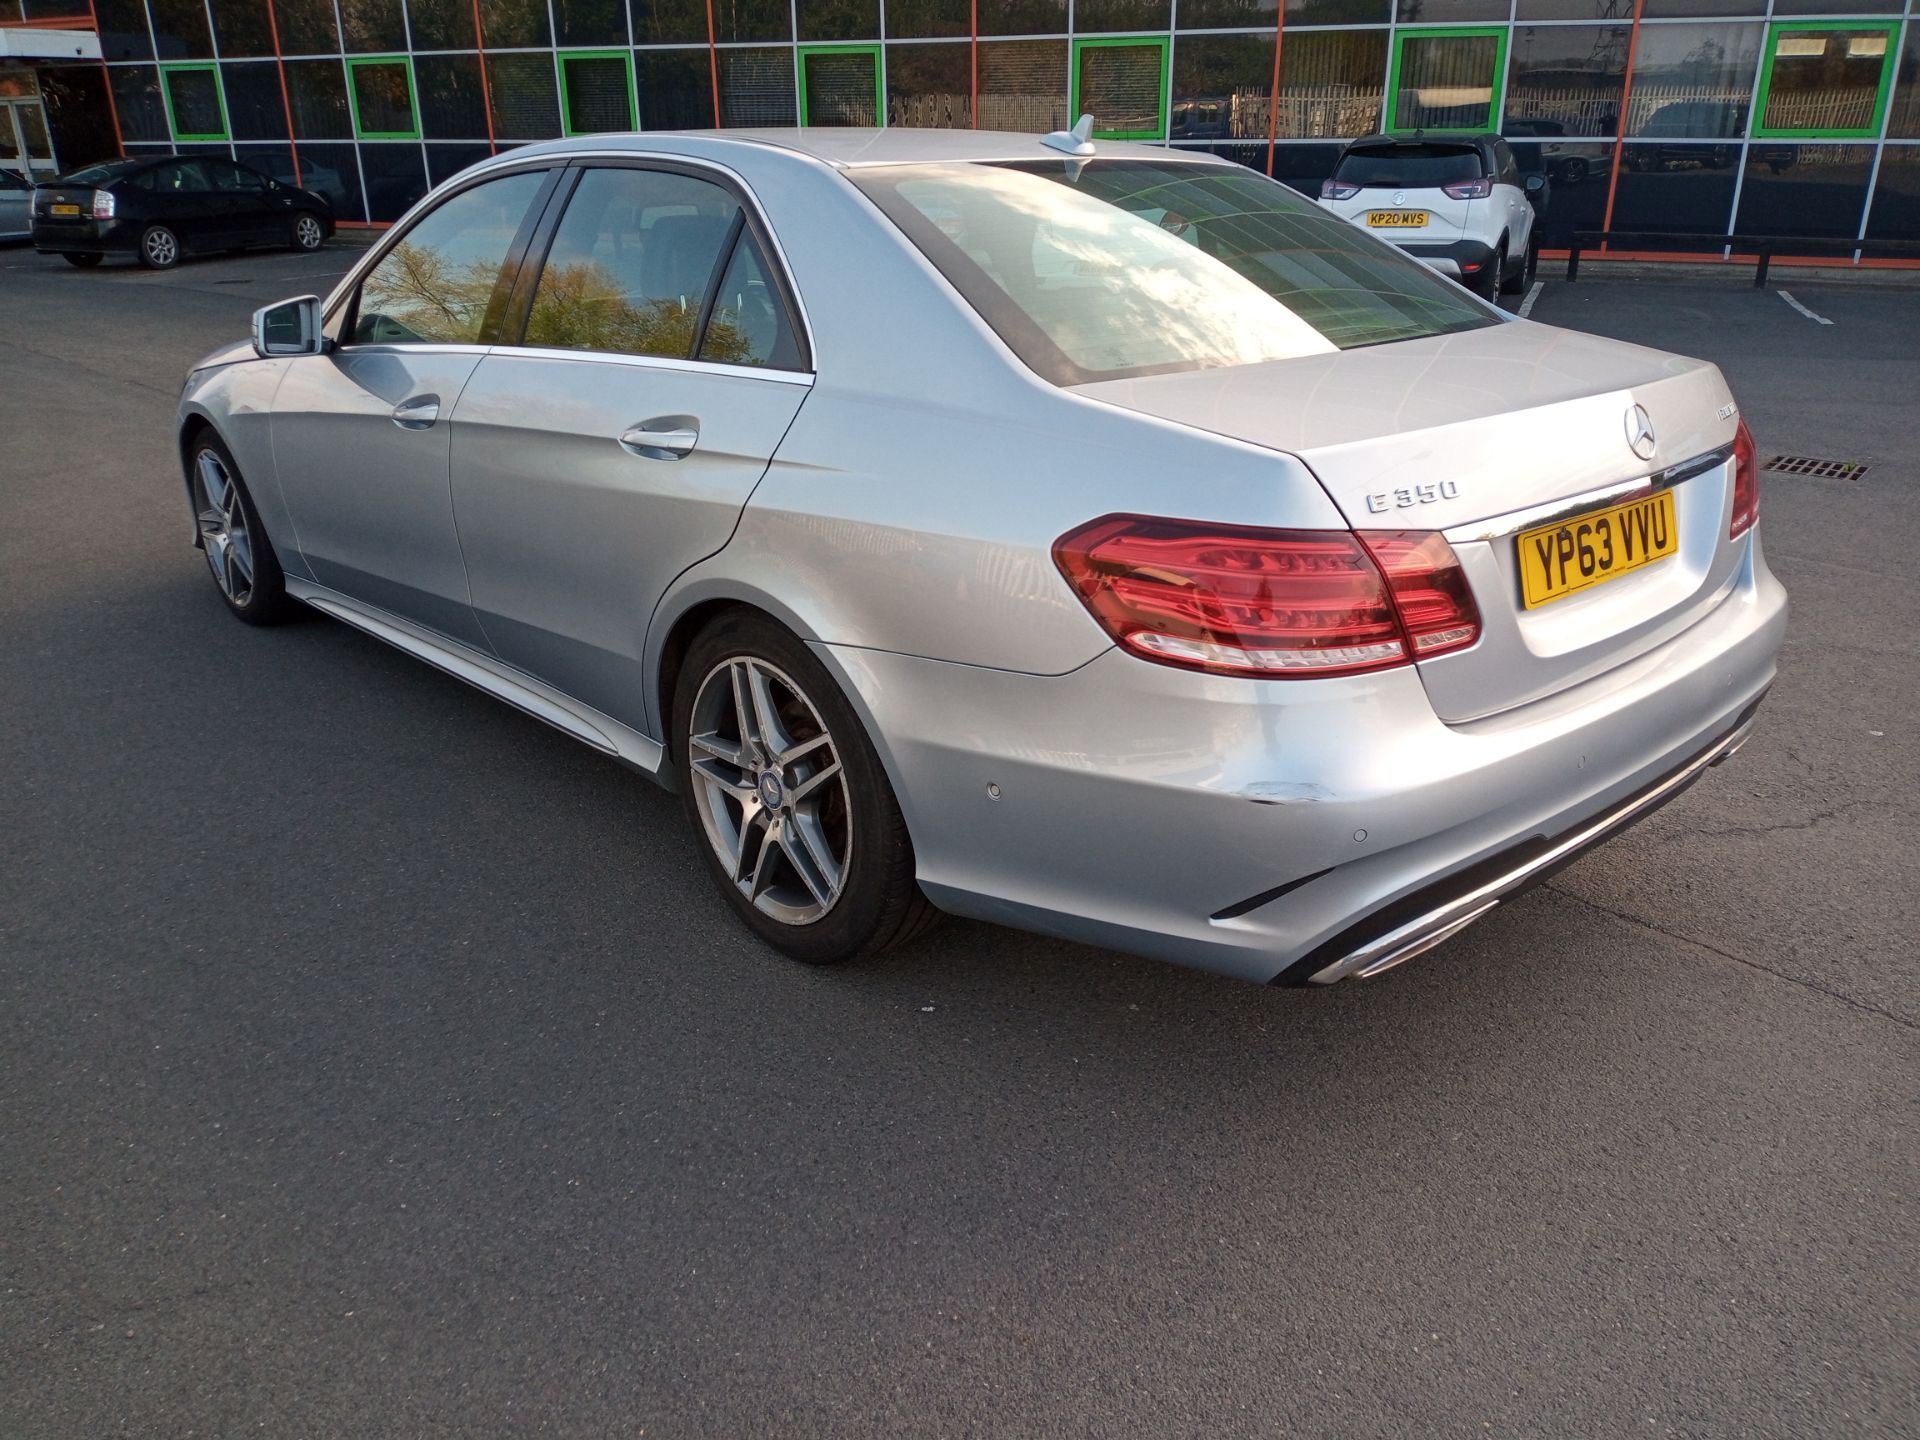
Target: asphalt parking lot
[(376, 1061)]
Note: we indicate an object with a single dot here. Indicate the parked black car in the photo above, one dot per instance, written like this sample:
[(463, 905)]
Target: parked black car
[(159, 210)]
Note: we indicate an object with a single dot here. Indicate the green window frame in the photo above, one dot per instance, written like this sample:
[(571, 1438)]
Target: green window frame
[(360, 132), (1501, 38), (1107, 42), (801, 52), (1870, 131), (560, 59), (219, 94)]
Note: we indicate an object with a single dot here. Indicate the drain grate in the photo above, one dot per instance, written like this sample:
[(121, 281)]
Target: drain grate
[(1821, 469)]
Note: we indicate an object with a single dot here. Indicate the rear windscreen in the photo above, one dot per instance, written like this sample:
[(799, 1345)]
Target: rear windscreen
[(1409, 167)]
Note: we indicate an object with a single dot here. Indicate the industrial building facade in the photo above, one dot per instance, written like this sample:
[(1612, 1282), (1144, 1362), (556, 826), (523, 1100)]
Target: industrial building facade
[(1681, 117)]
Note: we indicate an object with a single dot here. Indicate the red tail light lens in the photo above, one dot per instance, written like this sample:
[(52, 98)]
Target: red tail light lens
[(1334, 190), (103, 205), (1471, 189), (1746, 483), (1236, 600)]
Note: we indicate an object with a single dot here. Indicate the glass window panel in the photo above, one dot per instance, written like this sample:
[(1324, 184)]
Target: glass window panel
[(526, 97), (1332, 84), (1259, 14), (1023, 85), (756, 88), (438, 283), (749, 324), (1446, 12), (1824, 81), (930, 86), (1573, 10), (1446, 81), (1702, 9), (373, 25), (1836, 7), (241, 27), (512, 24), (1304, 166), (446, 161), (382, 96), (1123, 86), (839, 19), (333, 171), (1693, 81), (317, 90), (676, 89), (1674, 188), (396, 177), (596, 91), (590, 22), (442, 24), (1577, 184), (1566, 80), (1904, 118), (255, 107), (123, 30), (666, 22), (630, 264), (736, 20), (274, 160), (1025, 17), (1338, 12), (1896, 196), (1799, 189), (1225, 15), (307, 27), (1222, 86), (1092, 17), (136, 99), (193, 100), (453, 103), (928, 19), (841, 87), (180, 29)]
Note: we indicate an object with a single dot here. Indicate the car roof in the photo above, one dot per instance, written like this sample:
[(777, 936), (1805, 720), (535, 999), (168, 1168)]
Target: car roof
[(1421, 137), (894, 145)]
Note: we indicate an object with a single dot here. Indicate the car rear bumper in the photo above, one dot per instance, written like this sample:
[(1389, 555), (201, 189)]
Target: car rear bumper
[(1285, 830), (1454, 257), (85, 237)]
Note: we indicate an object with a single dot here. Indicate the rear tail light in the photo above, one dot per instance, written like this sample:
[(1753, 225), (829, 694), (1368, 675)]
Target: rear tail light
[(1235, 600), (1746, 483), (1334, 190), (1471, 189), (103, 205)]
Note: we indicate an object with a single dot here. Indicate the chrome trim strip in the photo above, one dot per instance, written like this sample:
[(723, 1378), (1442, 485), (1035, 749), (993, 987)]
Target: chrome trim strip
[(1514, 521), (657, 362), (1423, 932), (523, 692)]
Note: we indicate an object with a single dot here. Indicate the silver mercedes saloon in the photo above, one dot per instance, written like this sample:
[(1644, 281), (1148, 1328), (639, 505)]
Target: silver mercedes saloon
[(1097, 539)]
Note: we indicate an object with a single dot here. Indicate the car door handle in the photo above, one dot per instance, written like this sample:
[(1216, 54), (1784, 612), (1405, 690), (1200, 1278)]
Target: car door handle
[(675, 444), (418, 413)]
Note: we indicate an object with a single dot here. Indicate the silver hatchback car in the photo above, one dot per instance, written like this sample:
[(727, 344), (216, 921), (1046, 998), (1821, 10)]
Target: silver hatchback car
[(1110, 544)]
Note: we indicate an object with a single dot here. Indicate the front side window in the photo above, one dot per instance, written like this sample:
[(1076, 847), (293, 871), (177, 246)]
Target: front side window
[(631, 264), (444, 277), (1110, 268)]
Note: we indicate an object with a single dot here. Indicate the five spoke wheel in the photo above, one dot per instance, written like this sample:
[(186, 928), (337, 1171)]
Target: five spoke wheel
[(223, 527), (770, 789)]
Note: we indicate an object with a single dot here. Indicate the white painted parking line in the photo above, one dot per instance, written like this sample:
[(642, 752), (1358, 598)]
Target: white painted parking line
[(1526, 305), (1817, 319)]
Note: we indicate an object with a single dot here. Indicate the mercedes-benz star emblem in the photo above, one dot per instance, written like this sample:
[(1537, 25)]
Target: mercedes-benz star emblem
[(1639, 431), (771, 790)]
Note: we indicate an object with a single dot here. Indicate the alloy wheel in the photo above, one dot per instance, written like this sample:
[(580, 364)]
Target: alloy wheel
[(306, 233), (770, 790), (223, 527), (161, 248)]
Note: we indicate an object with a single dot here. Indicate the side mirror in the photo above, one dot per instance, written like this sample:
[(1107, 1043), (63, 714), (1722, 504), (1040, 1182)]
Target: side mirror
[(290, 328), (1536, 183)]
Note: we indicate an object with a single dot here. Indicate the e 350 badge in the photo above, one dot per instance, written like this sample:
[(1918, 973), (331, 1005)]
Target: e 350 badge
[(1409, 496)]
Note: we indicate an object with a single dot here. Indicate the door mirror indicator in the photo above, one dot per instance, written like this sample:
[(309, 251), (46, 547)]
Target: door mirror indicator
[(290, 328)]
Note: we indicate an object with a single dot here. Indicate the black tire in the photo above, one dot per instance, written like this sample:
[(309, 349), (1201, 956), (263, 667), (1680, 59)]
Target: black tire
[(1487, 284), (879, 904), (307, 232), (1523, 276), (159, 248), (264, 599), (80, 261)]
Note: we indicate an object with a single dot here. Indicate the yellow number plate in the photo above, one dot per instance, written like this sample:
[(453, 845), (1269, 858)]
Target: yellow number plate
[(1577, 554), (66, 209), (1396, 219)]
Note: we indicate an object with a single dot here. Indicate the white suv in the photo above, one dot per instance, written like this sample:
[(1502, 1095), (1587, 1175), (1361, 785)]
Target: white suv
[(1458, 203)]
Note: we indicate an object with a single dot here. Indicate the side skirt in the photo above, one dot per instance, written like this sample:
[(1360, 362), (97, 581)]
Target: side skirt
[(503, 682)]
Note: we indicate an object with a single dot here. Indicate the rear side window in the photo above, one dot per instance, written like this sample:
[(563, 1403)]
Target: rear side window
[(749, 324), (1409, 167), (441, 281)]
